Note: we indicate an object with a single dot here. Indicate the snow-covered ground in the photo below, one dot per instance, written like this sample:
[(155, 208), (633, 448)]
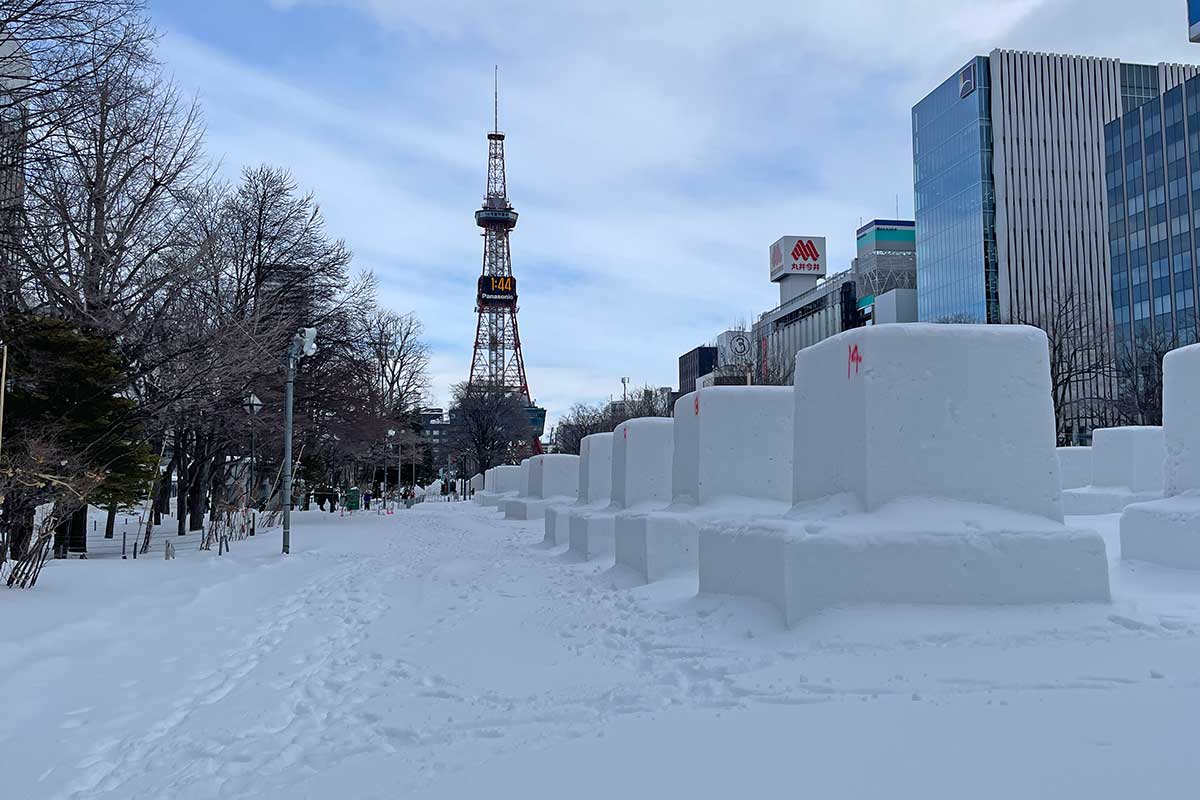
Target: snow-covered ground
[(443, 653)]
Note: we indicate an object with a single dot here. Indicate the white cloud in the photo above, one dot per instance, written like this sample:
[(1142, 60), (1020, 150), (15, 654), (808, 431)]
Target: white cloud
[(655, 149)]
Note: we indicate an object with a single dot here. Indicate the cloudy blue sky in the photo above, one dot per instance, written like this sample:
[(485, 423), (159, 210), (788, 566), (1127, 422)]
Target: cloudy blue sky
[(655, 147)]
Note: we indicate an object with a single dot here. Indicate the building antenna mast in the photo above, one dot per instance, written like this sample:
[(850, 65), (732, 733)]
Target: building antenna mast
[(496, 97)]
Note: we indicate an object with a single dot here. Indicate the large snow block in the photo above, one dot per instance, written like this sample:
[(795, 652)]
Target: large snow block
[(591, 533), (1075, 466), (1130, 457), (1181, 422), (889, 558), (961, 412), (1167, 531), (924, 472), (556, 522), (504, 479), (554, 475), (477, 482), (1127, 467), (641, 478), (732, 456), (553, 479), (595, 469), (594, 491), (501, 483), (657, 544), (641, 462)]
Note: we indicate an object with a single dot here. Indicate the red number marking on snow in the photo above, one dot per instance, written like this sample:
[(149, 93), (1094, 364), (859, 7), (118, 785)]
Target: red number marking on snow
[(853, 360)]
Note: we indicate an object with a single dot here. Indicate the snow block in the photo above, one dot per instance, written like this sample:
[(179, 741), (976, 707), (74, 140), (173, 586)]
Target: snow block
[(732, 457), (890, 556), (1127, 467), (1075, 466), (595, 487), (477, 482), (553, 479), (924, 472), (961, 412), (1167, 531), (503, 483), (641, 477)]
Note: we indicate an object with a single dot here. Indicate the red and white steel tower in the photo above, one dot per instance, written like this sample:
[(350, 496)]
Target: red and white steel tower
[(497, 363)]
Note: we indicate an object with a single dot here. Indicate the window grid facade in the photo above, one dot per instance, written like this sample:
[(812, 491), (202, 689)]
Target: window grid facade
[(1152, 178)]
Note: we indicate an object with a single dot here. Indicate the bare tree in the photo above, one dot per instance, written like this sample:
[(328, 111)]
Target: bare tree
[(1081, 363), (488, 426)]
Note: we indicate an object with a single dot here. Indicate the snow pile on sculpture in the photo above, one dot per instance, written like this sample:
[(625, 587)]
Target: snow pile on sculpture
[(1167, 531), (500, 483), (1127, 467), (595, 487), (641, 477), (924, 472), (732, 459), (553, 478), (1075, 466)]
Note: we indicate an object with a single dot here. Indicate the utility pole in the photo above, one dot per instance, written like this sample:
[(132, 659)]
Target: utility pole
[(304, 343)]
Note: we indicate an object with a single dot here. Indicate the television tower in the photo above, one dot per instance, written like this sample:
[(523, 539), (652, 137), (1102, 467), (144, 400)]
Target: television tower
[(497, 363)]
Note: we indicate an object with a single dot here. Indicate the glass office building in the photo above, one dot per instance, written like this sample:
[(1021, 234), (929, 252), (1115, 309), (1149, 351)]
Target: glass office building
[(1010, 194), (955, 199), (1152, 176)]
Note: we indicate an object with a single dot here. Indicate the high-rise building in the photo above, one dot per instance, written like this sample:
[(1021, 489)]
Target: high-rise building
[(694, 363), (1008, 168), (14, 76), (1154, 223), (1011, 207)]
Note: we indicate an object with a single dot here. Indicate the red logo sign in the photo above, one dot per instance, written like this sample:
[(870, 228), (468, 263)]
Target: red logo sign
[(776, 255), (805, 251)]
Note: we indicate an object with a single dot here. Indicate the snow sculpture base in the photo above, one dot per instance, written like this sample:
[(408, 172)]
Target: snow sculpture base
[(1089, 500), (557, 525), (591, 534), (526, 508), (494, 499), (656, 545), (910, 553), (1075, 466), (1165, 532)]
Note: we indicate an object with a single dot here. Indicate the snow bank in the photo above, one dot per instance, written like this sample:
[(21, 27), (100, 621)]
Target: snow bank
[(553, 478), (595, 487), (1127, 467), (732, 457), (1167, 531), (641, 477), (924, 472), (1075, 466)]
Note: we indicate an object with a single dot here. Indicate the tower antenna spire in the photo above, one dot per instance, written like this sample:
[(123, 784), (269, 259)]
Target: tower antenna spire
[(496, 97)]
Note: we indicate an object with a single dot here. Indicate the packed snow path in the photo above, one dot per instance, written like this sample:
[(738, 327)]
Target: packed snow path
[(442, 652)]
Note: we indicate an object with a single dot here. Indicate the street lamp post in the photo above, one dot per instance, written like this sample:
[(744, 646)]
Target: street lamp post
[(252, 405), (304, 343)]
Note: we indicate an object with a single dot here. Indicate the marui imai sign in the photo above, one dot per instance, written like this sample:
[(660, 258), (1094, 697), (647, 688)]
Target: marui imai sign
[(798, 255)]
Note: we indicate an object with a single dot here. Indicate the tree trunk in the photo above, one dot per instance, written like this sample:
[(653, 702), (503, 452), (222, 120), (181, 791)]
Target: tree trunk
[(198, 485), (162, 500), (110, 522), (18, 523), (182, 485)]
